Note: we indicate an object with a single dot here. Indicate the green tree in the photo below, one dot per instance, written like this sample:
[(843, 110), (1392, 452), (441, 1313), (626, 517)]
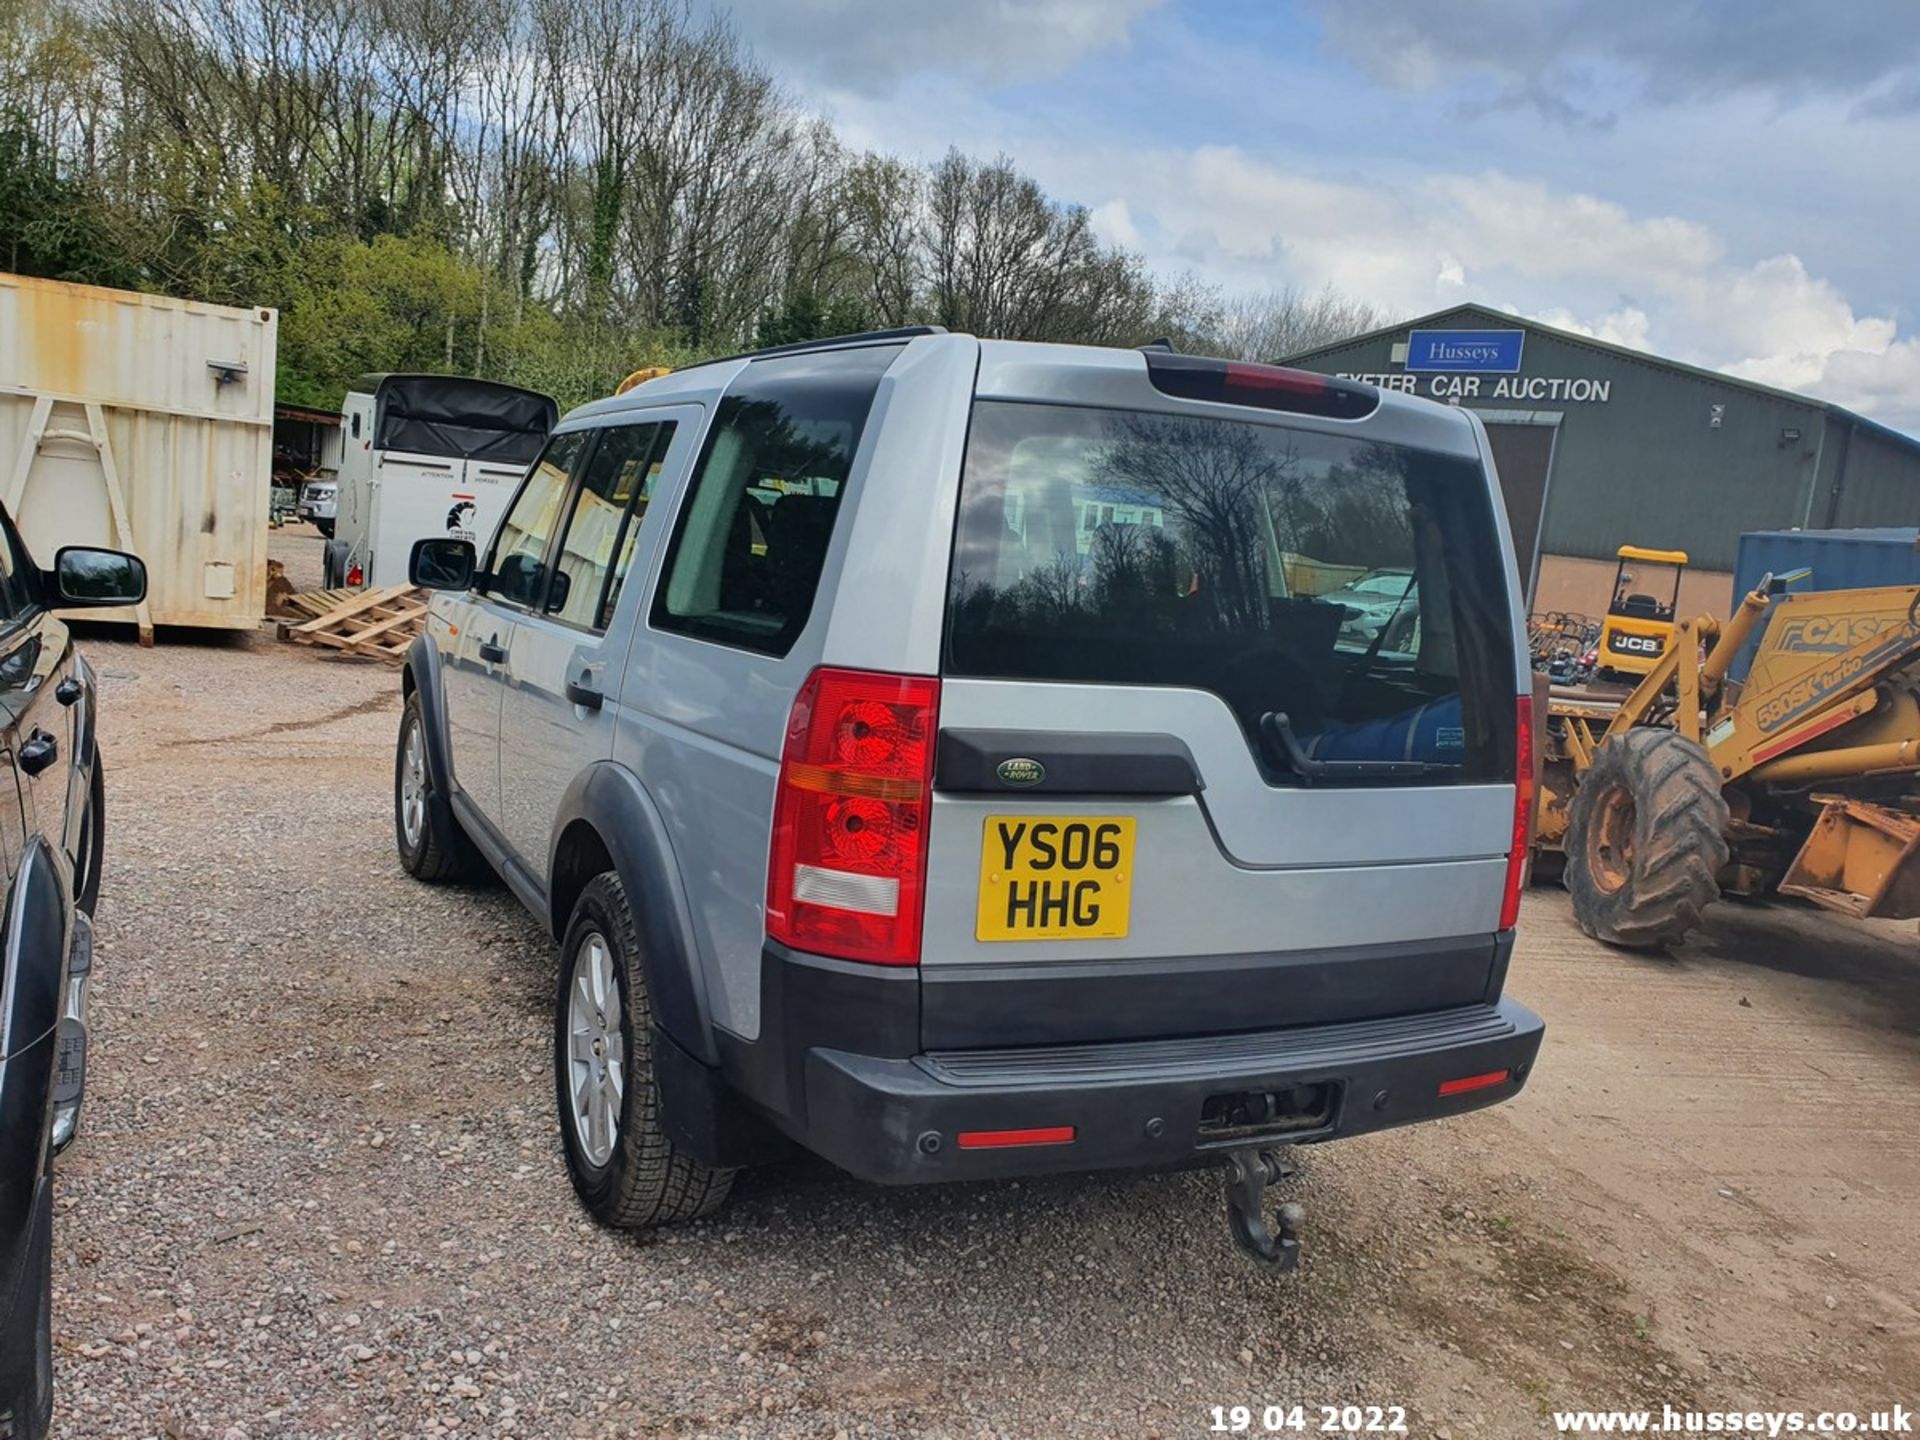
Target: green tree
[(52, 226)]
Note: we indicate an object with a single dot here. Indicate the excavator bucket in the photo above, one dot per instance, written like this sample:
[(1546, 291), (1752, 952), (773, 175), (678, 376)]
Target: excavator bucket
[(1859, 860)]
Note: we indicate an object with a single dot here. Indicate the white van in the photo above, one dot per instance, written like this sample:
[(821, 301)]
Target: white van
[(426, 456)]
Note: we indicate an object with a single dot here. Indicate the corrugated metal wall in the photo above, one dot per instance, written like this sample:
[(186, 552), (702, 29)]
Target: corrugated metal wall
[(193, 451), (1651, 467), (1881, 480)]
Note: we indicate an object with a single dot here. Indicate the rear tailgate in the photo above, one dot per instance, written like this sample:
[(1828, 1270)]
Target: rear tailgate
[(1126, 839)]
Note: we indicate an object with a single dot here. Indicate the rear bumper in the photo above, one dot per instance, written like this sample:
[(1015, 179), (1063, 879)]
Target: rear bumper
[(1139, 1105), (897, 1118)]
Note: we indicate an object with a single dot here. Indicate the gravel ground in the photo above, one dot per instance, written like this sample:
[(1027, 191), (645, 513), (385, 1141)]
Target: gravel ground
[(319, 1188)]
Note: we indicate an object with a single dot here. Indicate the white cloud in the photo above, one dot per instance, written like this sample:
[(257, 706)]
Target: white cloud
[(1114, 225), (1660, 283), (1627, 326), (869, 47)]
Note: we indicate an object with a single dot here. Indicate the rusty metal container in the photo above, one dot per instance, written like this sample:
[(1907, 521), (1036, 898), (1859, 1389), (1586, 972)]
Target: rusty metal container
[(146, 424)]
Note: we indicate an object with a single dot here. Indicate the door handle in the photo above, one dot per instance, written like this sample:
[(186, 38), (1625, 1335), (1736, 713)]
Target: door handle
[(40, 751), (67, 691), (583, 694), (493, 652)]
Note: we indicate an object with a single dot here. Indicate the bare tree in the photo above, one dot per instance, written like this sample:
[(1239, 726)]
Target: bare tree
[(1280, 323)]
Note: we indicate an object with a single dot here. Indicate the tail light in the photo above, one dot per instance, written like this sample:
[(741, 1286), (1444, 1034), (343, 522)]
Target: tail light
[(355, 575), (1522, 811), (848, 867)]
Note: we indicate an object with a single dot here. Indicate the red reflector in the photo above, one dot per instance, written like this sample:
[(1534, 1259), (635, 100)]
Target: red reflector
[(849, 855), (1522, 812), (355, 575), (1003, 1139), (1472, 1082)]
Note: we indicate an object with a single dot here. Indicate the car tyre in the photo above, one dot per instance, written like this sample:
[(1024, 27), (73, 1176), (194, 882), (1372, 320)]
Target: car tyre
[(627, 1172), (28, 1411), (1646, 838), (429, 850)]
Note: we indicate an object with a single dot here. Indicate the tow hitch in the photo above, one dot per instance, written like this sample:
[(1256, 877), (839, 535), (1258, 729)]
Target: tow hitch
[(1249, 1172)]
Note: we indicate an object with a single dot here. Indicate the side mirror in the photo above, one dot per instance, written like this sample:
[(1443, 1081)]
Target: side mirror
[(83, 575), (441, 564)]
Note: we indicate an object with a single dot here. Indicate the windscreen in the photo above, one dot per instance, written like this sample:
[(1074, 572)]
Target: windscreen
[(1346, 599)]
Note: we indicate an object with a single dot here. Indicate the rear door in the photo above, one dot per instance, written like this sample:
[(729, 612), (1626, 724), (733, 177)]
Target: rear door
[(1183, 788), (567, 655)]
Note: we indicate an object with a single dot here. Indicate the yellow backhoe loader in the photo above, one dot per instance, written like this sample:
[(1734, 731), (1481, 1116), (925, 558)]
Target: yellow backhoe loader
[(1799, 779)]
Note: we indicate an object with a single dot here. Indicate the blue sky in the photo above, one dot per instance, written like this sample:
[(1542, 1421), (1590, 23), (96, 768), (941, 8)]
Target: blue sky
[(1736, 184)]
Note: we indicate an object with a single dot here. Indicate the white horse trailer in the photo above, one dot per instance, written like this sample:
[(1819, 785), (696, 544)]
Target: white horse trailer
[(427, 455)]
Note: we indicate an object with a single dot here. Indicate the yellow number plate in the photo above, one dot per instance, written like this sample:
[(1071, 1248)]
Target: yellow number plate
[(1055, 877)]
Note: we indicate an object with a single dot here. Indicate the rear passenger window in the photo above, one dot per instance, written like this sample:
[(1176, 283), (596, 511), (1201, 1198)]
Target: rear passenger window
[(751, 539), (517, 563), (597, 546)]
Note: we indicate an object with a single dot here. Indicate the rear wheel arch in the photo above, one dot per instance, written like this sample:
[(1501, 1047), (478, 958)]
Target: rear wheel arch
[(608, 822)]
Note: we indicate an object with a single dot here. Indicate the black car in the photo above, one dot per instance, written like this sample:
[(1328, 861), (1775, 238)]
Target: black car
[(52, 809)]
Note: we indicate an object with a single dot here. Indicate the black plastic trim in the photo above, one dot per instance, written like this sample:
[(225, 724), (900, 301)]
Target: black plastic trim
[(610, 799), (967, 762), (808, 1001), (423, 667), (963, 1006), (895, 1122)]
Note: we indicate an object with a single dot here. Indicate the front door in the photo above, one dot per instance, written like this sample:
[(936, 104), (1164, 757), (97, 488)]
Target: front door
[(36, 658), (568, 653), (476, 629)]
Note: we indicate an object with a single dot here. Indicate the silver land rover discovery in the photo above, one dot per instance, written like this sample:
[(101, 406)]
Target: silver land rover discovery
[(955, 757)]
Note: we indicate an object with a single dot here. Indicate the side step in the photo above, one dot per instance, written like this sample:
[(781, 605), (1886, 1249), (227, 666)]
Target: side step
[(70, 1059)]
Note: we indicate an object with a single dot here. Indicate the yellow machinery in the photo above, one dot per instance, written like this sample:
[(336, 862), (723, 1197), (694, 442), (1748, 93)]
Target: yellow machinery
[(1798, 779), (640, 377), (1639, 621)]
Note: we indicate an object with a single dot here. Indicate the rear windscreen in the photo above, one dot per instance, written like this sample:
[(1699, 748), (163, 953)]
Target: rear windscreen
[(1347, 599)]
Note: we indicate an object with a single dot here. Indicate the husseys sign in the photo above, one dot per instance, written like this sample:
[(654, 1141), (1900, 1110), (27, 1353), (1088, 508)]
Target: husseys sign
[(1482, 366)]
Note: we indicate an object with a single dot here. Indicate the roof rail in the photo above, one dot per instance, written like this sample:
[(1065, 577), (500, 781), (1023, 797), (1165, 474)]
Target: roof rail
[(827, 342)]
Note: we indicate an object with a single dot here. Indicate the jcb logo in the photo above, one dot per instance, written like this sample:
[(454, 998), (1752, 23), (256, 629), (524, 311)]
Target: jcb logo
[(1626, 644)]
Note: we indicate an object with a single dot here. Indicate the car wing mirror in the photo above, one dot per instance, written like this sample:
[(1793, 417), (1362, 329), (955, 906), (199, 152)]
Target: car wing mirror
[(437, 563), (84, 575)]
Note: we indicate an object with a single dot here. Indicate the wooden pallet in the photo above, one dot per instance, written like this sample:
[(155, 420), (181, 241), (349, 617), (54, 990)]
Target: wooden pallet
[(378, 623), (312, 604)]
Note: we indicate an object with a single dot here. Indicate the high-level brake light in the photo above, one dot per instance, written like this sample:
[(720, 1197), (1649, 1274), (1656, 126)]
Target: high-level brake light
[(1265, 387)]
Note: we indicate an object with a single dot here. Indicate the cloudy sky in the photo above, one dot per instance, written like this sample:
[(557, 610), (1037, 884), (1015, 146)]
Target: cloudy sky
[(1734, 183)]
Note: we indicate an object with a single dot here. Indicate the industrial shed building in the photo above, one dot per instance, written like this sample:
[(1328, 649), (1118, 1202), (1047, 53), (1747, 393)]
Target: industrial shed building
[(1601, 446)]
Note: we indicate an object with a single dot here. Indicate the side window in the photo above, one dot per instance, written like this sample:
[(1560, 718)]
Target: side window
[(16, 585), (519, 550), (598, 544), (751, 538)]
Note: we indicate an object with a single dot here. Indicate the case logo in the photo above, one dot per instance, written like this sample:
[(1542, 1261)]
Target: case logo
[(1020, 771)]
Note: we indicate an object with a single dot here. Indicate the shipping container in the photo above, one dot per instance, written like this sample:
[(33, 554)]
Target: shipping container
[(1836, 560), (146, 424)]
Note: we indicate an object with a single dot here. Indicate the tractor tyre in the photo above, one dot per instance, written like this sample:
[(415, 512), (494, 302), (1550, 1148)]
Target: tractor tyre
[(1646, 838)]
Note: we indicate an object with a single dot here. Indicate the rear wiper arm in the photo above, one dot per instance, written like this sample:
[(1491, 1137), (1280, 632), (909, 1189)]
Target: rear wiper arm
[(1278, 729)]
